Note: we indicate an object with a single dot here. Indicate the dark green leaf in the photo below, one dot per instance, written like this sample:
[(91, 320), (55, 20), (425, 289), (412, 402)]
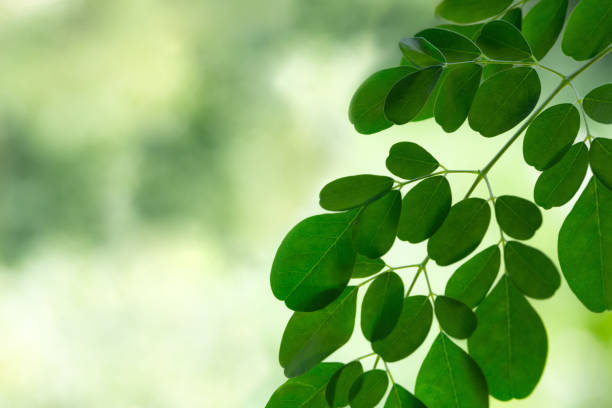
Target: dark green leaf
[(502, 41), (408, 96), (471, 31), (491, 69), (409, 160), (584, 246), (461, 232), (337, 392), (514, 17), (382, 306), (551, 135), (588, 30), (305, 391), (366, 110), (454, 46), (598, 103), (409, 332), (470, 11), (376, 227), (365, 266), (399, 397), (543, 24), (532, 272), (314, 262), (424, 208), (427, 111), (455, 318), (600, 158), (557, 185), (312, 336), (420, 52), (353, 191), (456, 96), (510, 343), (518, 217), (472, 280), (504, 100), (368, 389), (449, 378)]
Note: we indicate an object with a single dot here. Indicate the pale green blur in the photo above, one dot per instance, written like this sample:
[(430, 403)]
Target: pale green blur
[(152, 156)]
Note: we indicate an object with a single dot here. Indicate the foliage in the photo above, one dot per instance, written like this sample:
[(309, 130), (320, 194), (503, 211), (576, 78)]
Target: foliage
[(488, 74)]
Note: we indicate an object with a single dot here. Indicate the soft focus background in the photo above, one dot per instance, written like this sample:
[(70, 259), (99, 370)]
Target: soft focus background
[(153, 155)]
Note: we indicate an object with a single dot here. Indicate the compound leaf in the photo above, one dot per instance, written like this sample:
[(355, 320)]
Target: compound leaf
[(337, 392), (399, 397), (502, 41), (420, 52), (455, 318), (471, 31), (456, 96), (600, 158), (353, 191), (531, 271), (368, 389), (517, 217), (382, 306), (409, 160), (376, 226), (454, 46), (365, 266), (543, 24), (470, 11), (588, 30), (598, 103)]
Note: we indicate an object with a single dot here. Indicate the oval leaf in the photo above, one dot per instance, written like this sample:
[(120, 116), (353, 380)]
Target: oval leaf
[(365, 266), (424, 209), (504, 100), (598, 103), (510, 343), (491, 69), (420, 52), (456, 95), (472, 280), (600, 158), (409, 332), (353, 191), (427, 111), (551, 135), (337, 392), (314, 262), (471, 31), (588, 30), (409, 160), (312, 336), (557, 185), (543, 24), (454, 46), (449, 377), (584, 247), (456, 319), (517, 217), (501, 40), (514, 17), (461, 232), (382, 306), (531, 271), (376, 227), (399, 397), (368, 389), (470, 11)]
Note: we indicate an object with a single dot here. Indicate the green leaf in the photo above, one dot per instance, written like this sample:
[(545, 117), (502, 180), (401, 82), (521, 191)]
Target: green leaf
[(424, 209), (502, 41), (598, 103), (472, 280), (462, 230), (510, 343), (365, 266), (376, 227), (305, 391), (399, 397), (368, 389), (531, 271), (312, 336), (600, 158), (491, 69), (314, 262), (470, 11), (557, 185), (543, 24), (449, 378), (455, 317), (353, 191), (420, 52), (504, 100), (454, 46), (471, 31), (337, 392), (408, 96), (517, 217), (366, 110), (409, 332), (588, 30), (514, 17), (409, 160), (584, 246), (427, 111), (382, 306), (551, 135), (456, 96)]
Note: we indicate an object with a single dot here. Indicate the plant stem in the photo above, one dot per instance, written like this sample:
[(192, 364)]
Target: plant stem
[(402, 184), (388, 372)]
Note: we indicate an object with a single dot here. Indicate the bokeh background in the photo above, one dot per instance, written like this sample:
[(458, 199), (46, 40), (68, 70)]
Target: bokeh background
[(152, 156)]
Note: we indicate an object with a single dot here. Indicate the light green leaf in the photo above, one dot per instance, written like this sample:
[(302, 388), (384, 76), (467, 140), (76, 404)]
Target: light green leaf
[(427, 111), (314, 262), (454, 46), (376, 226), (588, 30), (504, 100), (471, 31), (365, 266), (531, 271), (543, 24), (501, 40), (491, 69), (409, 160), (399, 397), (382, 306), (510, 343), (337, 392), (517, 217), (461, 232), (455, 317), (312, 336), (584, 247), (449, 378), (598, 103), (600, 158), (470, 11), (420, 52), (456, 96), (368, 389), (353, 191)]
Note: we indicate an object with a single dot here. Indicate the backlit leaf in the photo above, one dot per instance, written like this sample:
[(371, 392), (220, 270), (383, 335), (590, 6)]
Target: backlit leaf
[(456, 96), (588, 30), (514, 17), (337, 392), (517, 217), (598, 103), (491, 69), (454, 46), (368, 389), (365, 266), (456, 318), (382, 306), (409, 160), (543, 24), (420, 52), (600, 158), (376, 226), (502, 41), (353, 191), (531, 271), (471, 31), (399, 397), (470, 11)]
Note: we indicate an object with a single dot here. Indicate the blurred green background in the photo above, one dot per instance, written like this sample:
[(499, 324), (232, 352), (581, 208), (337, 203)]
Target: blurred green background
[(152, 156)]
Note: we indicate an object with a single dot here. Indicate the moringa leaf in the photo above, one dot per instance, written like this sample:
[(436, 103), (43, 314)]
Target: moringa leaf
[(353, 191), (399, 397), (382, 306), (312, 336), (470, 11), (337, 391), (456, 96), (471, 31), (455, 317), (454, 47), (600, 159), (365, 266), (501, 40), (409, 160), (420, 52), (491, 69), (531, 271), (514, 17), (517, 217), (314, 262), (368, 389), (510, 343), (427, 111), (376, 226), (543, 24), (462, 231), (588, 30), (598, 103)]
